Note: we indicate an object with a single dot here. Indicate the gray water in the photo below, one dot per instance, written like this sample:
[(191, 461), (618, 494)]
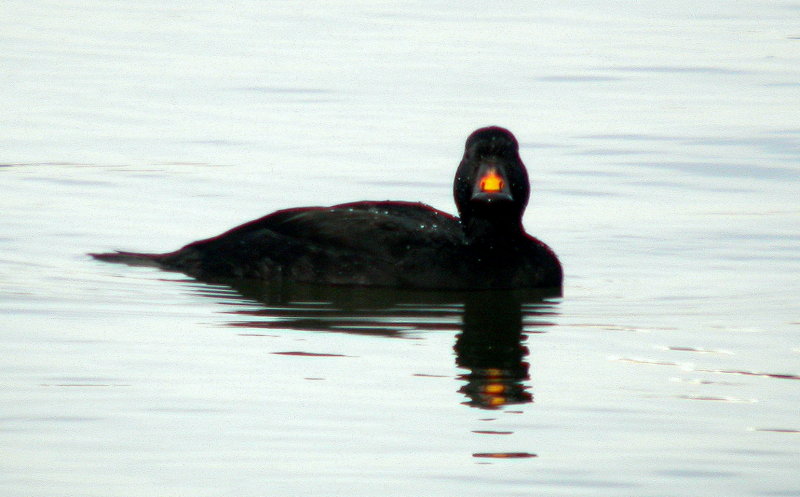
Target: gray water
[(663, 144)]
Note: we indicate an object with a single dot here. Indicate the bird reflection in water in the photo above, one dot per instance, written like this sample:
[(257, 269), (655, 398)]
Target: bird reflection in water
[(490, 348), (491, 326)]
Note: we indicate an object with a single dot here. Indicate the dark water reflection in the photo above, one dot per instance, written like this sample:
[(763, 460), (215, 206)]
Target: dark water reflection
[(491, 327)]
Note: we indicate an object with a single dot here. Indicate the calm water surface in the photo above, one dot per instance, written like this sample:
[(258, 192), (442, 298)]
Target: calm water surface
[(664, 148)]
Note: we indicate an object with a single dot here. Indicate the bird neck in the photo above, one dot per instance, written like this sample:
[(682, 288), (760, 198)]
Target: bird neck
[(493, 232)]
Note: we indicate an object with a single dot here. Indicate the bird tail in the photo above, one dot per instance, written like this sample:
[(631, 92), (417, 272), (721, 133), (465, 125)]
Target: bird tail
[(131, 258)]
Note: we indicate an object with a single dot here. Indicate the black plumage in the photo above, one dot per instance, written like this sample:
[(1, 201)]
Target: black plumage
[(390, 244)]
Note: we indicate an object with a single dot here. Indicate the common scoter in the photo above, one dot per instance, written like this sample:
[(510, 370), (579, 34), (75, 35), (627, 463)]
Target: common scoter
[(389, 244)]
